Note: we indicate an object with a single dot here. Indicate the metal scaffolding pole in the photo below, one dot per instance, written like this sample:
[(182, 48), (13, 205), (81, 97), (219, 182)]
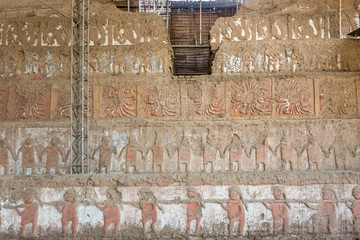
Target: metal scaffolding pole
[(79, 86), (167, 13), (340, 31)]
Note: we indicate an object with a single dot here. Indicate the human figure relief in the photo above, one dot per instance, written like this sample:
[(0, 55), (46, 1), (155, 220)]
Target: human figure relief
[(296, 61), (30, 214), (158, 154), (324, 61), (69, 212), (280, 211), (219, 64), (146, 65), (184, 154), (325, 219), (248, 62), (274, 62), (28, 155), (119, 63), (129, 33), (110, 209), (149, 205), (236, 152), (105, 153), (4, 156), (354, 206), (53, 153), (94, 63), (235, 210), (262, 155), (289, 156), (316, 154), (193, 209), (131, 151), (210, 150), (340, 148)]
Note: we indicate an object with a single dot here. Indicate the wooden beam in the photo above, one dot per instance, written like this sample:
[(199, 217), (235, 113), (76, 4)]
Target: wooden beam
[(190, 46)]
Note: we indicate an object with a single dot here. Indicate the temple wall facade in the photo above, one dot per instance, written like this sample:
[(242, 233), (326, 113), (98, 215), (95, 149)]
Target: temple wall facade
[(267, 146)]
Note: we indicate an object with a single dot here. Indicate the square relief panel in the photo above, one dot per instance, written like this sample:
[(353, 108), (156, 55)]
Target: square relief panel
[(294, 97), (205, 100), (251, 98), (118, 101), (338, 97), (161, 100)]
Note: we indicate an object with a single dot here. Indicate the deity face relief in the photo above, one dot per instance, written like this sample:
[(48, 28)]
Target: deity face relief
[(234, 195), (356, 192), (278, 195)]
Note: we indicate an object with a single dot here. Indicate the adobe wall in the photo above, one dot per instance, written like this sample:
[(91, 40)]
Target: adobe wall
[(270, 141)]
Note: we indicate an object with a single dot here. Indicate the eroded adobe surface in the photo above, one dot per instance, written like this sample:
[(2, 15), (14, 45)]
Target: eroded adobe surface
[(307, 204), (267, 146)]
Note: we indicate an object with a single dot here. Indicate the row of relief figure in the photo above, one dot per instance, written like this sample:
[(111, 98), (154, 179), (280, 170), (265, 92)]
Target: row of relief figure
[(187, 156), (236, 207)]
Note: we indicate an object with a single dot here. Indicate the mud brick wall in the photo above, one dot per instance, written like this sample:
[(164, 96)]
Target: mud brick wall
[(268, 145)]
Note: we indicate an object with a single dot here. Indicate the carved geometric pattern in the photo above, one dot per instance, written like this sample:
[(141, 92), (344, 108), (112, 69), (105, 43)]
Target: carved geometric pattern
[(32, 101), (294, 97), (338, 97), (63, 103), (206, 99), (161, 101), (118, 101), (63, 106), (251, 98)]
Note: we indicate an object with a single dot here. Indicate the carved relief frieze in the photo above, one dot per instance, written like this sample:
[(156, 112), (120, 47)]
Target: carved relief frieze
[(245, 57), (161, 101), (206, 99), (32, 101), (277, 26), (251, 98), (118, 101), (38, 65), (128, 61), (338, 97), (294, 97), (327, 209), (55, 32), (63, 103)]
